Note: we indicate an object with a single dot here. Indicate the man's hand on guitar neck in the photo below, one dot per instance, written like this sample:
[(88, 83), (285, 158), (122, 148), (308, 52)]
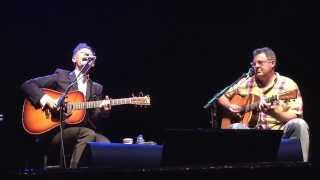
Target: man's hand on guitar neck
[(106, 104), (274, 109)]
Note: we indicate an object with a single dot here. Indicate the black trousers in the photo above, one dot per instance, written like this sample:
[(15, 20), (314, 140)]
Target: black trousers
[(75, 140)]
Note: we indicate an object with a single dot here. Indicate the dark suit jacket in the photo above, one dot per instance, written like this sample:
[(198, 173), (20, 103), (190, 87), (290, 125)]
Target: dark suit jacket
[(59, 81)]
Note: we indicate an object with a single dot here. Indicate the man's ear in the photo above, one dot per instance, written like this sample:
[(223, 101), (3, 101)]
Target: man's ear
[(74, 59), (274, 63)]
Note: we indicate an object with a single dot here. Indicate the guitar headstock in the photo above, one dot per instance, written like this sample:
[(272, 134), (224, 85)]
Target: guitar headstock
[(141, 100), (286, 96)]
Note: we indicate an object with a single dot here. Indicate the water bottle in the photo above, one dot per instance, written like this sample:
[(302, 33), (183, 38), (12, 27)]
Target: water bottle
[(140, 139), (1, 117)]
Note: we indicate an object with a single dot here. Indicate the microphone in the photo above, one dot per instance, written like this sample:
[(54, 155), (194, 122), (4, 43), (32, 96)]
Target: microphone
[(251, 72), (88, 61), (89, 58)]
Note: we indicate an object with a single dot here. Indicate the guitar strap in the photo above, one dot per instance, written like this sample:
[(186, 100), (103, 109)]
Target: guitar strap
[(269, 89), (250, 85)]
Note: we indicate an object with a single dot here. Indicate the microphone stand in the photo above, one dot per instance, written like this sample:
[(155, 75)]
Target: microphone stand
[(61, 106), (212, 103)]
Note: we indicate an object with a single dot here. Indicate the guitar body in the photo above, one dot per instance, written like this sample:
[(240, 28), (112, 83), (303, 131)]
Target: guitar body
[(248, 118), (36, 120)]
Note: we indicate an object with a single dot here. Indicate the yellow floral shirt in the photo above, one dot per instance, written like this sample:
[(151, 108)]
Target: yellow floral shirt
[(281, 85)]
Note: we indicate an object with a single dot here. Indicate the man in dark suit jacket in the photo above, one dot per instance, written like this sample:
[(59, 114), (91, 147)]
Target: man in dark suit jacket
[(75, 136)]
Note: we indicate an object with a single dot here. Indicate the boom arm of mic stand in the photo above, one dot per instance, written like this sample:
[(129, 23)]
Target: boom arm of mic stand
[(213, 107), (215, 97), (212, 102), (219, 94)]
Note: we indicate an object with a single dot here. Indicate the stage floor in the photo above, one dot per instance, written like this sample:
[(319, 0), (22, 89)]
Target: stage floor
[(241, 170)]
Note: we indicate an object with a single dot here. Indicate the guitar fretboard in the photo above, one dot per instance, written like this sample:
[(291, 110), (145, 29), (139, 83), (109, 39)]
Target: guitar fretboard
[(95, 104), (255, 105)]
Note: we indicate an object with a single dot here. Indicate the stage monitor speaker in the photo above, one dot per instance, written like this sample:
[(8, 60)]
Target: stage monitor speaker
[(117, 155), (209, 146), (290, 150)]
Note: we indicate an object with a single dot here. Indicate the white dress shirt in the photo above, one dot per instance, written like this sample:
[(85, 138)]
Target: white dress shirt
[(82, 82)]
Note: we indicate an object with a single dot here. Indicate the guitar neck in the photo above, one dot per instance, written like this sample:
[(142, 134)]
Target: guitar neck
[(254, 106), (96, 104)]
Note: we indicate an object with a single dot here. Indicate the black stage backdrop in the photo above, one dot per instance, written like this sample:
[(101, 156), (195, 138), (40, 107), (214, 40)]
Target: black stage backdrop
[(179, 52)]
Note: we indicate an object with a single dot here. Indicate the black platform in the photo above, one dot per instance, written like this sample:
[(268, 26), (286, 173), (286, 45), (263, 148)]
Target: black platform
[(187, 154), (286, 170), (208, 146)]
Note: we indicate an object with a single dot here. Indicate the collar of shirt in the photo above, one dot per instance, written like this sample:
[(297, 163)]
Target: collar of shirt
[(82, 78), (82, 82)]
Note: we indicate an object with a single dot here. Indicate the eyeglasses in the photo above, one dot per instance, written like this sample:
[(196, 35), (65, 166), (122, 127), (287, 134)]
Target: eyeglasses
[(260, 63)]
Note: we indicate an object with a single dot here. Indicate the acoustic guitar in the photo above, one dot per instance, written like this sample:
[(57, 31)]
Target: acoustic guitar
[(249, 108), (37, 120)]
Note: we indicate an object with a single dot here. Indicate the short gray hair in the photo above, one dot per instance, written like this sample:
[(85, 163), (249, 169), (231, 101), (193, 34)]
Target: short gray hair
[(81, 46), (267, 51)]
